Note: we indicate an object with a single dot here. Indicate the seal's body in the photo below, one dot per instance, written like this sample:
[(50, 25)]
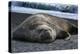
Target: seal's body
[(43, 28)]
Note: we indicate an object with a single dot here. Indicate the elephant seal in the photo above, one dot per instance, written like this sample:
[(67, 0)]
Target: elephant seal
[(43, 27)]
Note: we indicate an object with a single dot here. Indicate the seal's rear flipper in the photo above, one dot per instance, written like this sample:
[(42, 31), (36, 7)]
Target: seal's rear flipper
[(73, 30)]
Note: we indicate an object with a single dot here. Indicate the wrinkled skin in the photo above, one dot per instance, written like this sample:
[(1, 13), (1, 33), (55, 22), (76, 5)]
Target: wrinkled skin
[(42, 28)]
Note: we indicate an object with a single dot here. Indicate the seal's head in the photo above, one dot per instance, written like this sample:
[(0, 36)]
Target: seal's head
[(41, 33)]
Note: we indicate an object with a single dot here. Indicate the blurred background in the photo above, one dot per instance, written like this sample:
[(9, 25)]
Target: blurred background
[(69, 11)]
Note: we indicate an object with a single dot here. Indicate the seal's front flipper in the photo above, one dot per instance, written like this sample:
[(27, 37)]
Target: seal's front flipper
[(69, 36)]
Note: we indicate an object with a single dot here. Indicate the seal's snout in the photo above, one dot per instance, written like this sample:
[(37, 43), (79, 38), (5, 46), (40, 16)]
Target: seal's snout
[(44, 34)]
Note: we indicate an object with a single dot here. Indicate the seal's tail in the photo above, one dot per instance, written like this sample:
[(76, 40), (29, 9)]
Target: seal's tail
[(73, 30)]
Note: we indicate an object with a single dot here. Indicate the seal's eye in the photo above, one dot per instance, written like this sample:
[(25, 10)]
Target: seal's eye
[(31, 27), (41, 30)]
